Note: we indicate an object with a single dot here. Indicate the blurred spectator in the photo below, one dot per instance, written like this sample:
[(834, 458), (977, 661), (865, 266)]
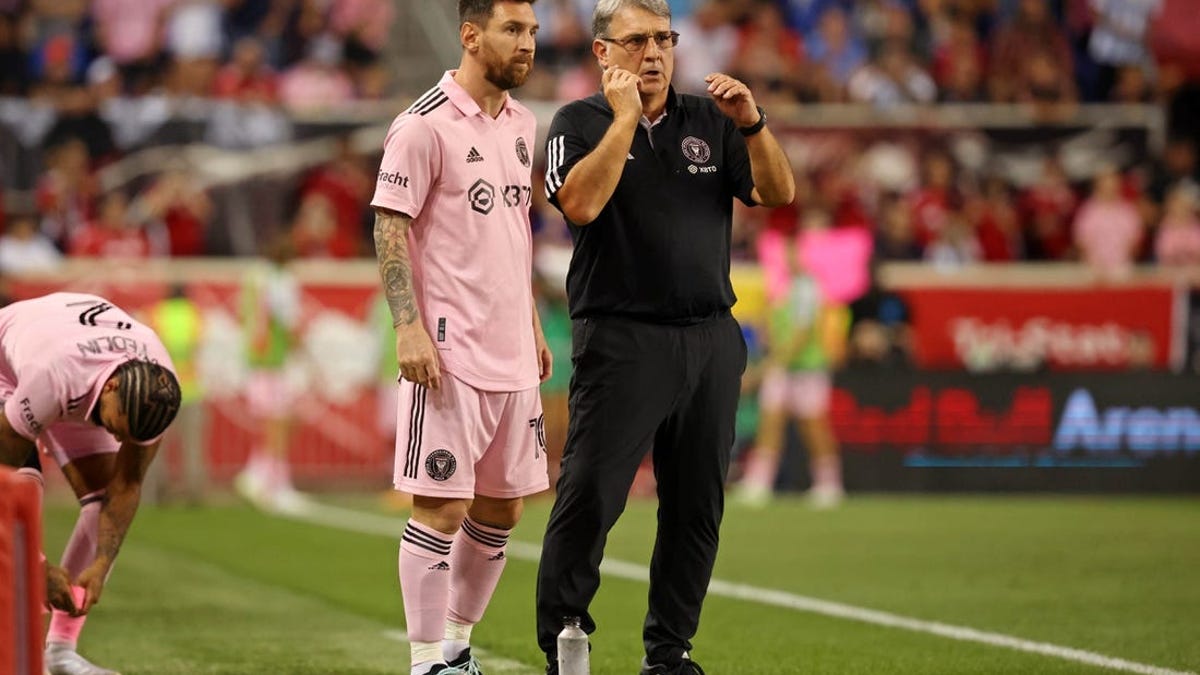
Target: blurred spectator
[(880, 328), (346, 185), (1118, 38), (769, 56), (130, 32), (1047, 209), (996, 225), (65, 190), (115, 233), (1177, 53), (132, 119), (1108, 228), (317, 82), (1178, 241), (24, 249), (194, 43), (955, 245), (707, 44), (13, 73), (1047, 85), (364, 26), (932, 202), (895, 239), (1176, 166), (804, 16), (564, 36), (314, 226), (305, 21), (247, 77), (835, 47), (1133, 85), (959, 61), (182, 208), (891, 78), (1031, 32)]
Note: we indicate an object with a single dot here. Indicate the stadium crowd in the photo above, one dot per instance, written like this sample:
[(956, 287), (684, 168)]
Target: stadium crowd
[(89, 81)]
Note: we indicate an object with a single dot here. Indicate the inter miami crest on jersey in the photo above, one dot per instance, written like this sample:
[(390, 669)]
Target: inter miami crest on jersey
[(522, 151), (440, 464)]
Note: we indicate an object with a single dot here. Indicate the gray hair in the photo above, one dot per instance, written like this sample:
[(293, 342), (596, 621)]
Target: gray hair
[(605, 9)]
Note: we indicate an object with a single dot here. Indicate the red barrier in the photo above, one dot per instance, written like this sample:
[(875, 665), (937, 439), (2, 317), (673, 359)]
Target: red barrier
[(23, 581)]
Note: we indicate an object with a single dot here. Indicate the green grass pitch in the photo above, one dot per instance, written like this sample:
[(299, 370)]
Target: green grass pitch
[(227, 590)]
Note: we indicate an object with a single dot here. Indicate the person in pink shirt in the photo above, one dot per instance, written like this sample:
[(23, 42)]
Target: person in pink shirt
[(455, 251), (1108, 228), (85, 383), (1178, 242)]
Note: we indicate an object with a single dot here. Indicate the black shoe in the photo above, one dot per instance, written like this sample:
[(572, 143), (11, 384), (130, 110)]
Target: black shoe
[(552, 667), (684, 667), (465, 663)]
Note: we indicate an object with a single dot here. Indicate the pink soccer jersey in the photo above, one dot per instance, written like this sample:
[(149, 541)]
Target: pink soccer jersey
[(56, 353), (464, 179)]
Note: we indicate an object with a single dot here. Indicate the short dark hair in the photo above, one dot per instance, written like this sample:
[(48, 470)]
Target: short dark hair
[(149, 395), (479, 11)]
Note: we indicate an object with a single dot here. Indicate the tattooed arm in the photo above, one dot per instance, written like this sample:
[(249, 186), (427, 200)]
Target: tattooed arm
[(120, 504), (414, 349)]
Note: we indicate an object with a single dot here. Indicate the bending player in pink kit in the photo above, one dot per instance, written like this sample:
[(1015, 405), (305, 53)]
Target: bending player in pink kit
[(86, 383), (455, 251)]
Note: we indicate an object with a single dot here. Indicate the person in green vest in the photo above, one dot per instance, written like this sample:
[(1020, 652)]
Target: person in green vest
[(806, 340), (270, 308), (179, 322)]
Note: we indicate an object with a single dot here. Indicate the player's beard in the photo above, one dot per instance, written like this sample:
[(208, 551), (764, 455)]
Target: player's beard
[(507, 75)]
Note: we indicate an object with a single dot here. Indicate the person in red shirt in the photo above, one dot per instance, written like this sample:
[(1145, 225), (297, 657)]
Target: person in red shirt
[(113, 234)]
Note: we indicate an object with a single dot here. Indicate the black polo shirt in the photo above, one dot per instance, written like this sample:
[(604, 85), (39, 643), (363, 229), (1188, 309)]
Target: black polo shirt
[(659, 250)]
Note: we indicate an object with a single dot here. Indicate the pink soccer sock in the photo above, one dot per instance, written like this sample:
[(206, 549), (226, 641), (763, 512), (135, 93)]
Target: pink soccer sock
[(475, 567), (79, 553), (827, 471), (761, 468), (424, 581)]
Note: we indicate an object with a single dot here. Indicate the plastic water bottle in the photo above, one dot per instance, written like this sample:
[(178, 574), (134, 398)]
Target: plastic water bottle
[(573, 649)]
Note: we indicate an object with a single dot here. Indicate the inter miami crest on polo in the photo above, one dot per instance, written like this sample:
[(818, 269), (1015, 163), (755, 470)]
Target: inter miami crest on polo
[(440, 464)]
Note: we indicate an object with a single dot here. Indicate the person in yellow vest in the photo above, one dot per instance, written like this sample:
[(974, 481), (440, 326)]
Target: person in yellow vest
[(270, 312), (180, 325), (806, 340)]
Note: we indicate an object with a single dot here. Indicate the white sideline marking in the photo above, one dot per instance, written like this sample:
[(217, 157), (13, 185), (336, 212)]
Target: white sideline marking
[(495, 664), (370, 523)]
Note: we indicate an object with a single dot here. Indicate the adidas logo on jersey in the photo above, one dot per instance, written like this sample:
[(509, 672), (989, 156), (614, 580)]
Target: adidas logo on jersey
[(474, 156), (443, 566)]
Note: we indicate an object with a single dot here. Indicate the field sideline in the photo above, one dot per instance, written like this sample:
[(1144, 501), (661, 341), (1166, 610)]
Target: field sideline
[(1117, 578)]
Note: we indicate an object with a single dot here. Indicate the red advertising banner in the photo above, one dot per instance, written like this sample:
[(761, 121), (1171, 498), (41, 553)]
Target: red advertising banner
[(1091, 328)]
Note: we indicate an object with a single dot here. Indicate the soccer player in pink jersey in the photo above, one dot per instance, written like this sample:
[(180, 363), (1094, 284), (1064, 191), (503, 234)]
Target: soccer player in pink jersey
[(84, 382), (453, 239)]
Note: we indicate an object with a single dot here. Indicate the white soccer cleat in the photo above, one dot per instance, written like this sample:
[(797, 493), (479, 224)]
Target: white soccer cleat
[(824, 497), (62, 660)]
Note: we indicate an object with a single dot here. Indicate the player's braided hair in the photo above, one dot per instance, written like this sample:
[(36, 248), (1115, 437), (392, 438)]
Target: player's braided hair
[(478, 11), (149, 396)]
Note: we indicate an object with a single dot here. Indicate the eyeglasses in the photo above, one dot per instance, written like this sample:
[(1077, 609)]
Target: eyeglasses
[(636, 43)]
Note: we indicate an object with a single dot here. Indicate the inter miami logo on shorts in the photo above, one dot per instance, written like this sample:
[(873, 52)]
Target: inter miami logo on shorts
[(696, 150), (482, 197), (440, 464), (539, 427), (522, 151)]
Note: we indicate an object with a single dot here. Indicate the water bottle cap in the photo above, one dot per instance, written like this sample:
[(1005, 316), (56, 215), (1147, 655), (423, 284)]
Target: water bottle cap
[(571, 621)]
